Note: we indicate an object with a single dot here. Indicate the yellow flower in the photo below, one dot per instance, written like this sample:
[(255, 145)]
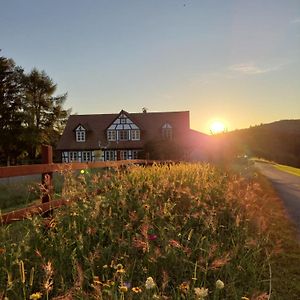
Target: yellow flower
[(150, 284), (110, 282), (123, 288), (82, 171), (219, 284), (184, 287), (136, 290), (35, 296), (120, 269)]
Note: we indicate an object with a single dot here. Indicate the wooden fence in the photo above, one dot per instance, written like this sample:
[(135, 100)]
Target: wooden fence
[(47, 168)]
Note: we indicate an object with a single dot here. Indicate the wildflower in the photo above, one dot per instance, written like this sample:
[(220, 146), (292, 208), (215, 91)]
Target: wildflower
[(184, 287), (152, 237), (201, 293), (150, 284), (105, 267), (220, 262), (146, 206), (174, 244), (110, 282), (35, 296), (219, 284), (245, 298), (120, 269), (136, 290), (82, 171), (139, 244), (123, 288)]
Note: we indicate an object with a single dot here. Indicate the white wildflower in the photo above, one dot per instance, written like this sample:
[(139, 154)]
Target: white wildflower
[(201, 293), (219, 284), (150, 284)]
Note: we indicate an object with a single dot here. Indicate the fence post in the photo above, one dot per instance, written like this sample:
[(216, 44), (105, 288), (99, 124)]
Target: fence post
[(47, 177)]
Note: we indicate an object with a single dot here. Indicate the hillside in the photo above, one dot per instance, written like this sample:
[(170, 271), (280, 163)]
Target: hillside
[(278, 141)]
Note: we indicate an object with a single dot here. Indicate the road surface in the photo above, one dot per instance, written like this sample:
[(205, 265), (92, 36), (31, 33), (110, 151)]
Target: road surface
[(288, 188)]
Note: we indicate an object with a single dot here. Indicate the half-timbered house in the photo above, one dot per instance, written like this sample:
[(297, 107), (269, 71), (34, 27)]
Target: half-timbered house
[(122, 136)]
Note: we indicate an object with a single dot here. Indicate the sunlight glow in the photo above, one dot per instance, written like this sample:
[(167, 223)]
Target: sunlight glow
[(217, 127)]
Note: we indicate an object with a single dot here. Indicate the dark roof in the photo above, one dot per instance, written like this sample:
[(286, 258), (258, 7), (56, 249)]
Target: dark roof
[(150, 124)]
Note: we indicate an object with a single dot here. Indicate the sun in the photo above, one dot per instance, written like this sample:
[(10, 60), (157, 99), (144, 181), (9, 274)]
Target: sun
[(217, 127)]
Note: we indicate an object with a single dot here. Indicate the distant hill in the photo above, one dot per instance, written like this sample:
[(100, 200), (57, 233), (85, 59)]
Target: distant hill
[(278, 141)]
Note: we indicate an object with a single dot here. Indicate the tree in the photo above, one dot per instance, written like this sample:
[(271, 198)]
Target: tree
[(45, 115), (11, 110)]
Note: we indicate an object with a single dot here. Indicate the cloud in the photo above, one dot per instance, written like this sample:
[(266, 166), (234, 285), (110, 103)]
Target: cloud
[(252, 68)]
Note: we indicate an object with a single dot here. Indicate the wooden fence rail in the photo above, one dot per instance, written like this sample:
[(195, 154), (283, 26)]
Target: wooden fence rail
[(47, 168)]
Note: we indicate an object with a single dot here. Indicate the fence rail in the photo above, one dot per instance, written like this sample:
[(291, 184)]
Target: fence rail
[(6, 172), (47, 169)]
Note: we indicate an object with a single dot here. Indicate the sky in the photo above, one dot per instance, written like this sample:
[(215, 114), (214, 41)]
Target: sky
[(233, 61)]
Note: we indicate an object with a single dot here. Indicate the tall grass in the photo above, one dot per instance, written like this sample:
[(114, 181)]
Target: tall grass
[(163, 232)]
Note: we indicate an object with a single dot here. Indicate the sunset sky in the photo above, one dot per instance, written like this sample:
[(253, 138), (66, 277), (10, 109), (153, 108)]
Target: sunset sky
[(233, 61)]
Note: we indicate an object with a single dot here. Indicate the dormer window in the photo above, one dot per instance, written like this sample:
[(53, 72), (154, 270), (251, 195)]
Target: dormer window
[(167, 131), (80, 134)]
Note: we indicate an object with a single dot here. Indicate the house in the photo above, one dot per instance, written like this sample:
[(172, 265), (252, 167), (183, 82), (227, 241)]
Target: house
[(123, 136)]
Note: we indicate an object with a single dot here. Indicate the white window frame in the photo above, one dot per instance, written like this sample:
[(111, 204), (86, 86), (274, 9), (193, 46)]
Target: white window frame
[(110, 155), (80, 134), (126, 133), (135, 135), (111, 135), (86, 156), (73, 156), (167, 131)]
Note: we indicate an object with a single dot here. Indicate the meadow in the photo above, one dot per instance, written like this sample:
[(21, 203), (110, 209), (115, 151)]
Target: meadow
[(180, 231)]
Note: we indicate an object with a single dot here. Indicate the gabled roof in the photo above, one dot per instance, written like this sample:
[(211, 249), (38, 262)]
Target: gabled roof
[(150, 123)]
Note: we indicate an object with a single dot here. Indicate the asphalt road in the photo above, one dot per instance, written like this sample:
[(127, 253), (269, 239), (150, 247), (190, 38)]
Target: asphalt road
[(288, 188)]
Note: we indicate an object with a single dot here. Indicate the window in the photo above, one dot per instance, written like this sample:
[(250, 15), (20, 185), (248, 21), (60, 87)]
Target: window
[(135, 135), (86, 156), (123, 154), (111, 135), (123, 135), (73, 156), (110, 155), (167, 132), (122, 120), (134, 154), (80, 136), (65, 157)]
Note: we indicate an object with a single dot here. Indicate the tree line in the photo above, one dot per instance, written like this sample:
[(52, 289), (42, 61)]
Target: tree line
[(30, 112)]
